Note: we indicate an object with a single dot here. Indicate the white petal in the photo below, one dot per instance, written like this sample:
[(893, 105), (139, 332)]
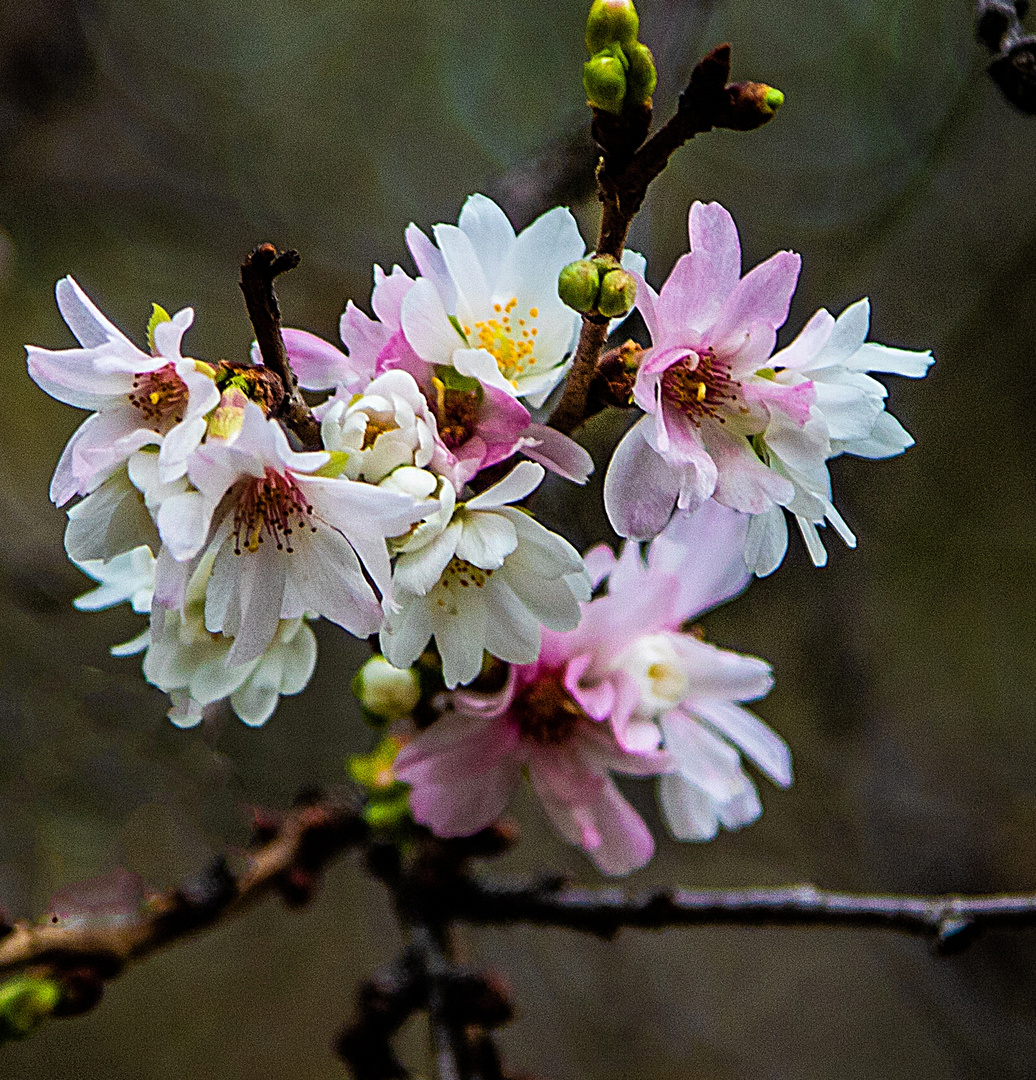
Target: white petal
[(522, 480), (489, 231), (486, 539), (689, 812), (766, 542), (482, 365), (418, 571)]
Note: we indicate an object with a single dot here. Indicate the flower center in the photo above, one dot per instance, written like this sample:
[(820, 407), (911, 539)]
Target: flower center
[(273, 506), (456, 414), (160, 395), (510, 341), (374, 428), (700, 390), (546, 712)]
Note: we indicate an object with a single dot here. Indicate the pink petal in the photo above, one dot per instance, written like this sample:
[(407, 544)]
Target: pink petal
[(704, 553), (796, 401), (595, 700), (762, 296), (744, 482), (317, 363), (712, 231), (558, 453)]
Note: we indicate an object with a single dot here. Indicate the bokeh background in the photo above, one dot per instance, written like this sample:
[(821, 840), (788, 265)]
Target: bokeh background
[(146, 147)]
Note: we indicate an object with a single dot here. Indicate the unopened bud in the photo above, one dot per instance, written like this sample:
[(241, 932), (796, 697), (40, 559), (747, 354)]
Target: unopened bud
[(611, 21), (641, 77), (578, 284), (604, 80), (618, 293), (388, 692), (25, 1002), (229, 414), (751, 105)]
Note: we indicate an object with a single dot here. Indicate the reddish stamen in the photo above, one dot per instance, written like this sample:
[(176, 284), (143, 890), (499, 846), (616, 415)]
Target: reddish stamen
[(160, 395), (701, 391), (546, 712), (272, 505)]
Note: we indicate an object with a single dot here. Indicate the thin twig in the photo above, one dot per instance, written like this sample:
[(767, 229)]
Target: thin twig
[(605, 912), (258, 272), (627, 169), (288, 862)]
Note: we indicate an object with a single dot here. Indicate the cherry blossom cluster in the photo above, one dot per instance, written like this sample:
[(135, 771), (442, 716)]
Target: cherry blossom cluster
[(503, 652)]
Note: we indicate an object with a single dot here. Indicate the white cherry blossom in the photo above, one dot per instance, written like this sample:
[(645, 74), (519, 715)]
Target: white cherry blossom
[(196, 667), (487, 300), (285, 539), (138, 399), (485, 578)]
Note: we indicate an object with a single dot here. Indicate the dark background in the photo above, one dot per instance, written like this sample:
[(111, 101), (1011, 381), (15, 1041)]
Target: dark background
[(146, 147)]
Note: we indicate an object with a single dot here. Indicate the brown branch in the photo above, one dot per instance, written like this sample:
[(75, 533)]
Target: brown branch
[(998, 25), (605, 912), (257, 276), (288, 860), (627, 169)]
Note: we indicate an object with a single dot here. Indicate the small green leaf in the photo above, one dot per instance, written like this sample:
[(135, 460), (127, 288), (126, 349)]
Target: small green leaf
[(335, 466), (158, 315)]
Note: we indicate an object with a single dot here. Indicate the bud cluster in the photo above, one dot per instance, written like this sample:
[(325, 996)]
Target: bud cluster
[(620, 73), (598, 286)]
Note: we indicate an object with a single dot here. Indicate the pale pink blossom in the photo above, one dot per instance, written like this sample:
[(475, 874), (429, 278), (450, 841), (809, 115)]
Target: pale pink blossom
[(629, 691), (138, 399), (700, 385)]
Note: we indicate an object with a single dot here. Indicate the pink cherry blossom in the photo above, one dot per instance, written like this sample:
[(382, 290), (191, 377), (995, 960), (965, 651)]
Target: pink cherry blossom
[(464, 768), (627, 691), (700, 388)]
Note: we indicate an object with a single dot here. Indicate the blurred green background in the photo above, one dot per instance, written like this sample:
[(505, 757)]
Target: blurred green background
[(146, 147)]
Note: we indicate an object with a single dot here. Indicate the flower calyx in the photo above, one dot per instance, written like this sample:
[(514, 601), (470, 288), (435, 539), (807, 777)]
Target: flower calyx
[(258, 384), (615, 378)]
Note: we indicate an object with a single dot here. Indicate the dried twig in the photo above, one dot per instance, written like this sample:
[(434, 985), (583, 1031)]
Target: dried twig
[(257, 276), (606, 911), (288, 861)]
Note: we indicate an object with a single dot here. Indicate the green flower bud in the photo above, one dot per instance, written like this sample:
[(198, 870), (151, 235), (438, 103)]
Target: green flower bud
[(389, 812), (578, 284), (773, 99), (25, 1002), (641, 77), (604, 80), (618, 293), (604, 263), (610, 21), (386, 691)]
